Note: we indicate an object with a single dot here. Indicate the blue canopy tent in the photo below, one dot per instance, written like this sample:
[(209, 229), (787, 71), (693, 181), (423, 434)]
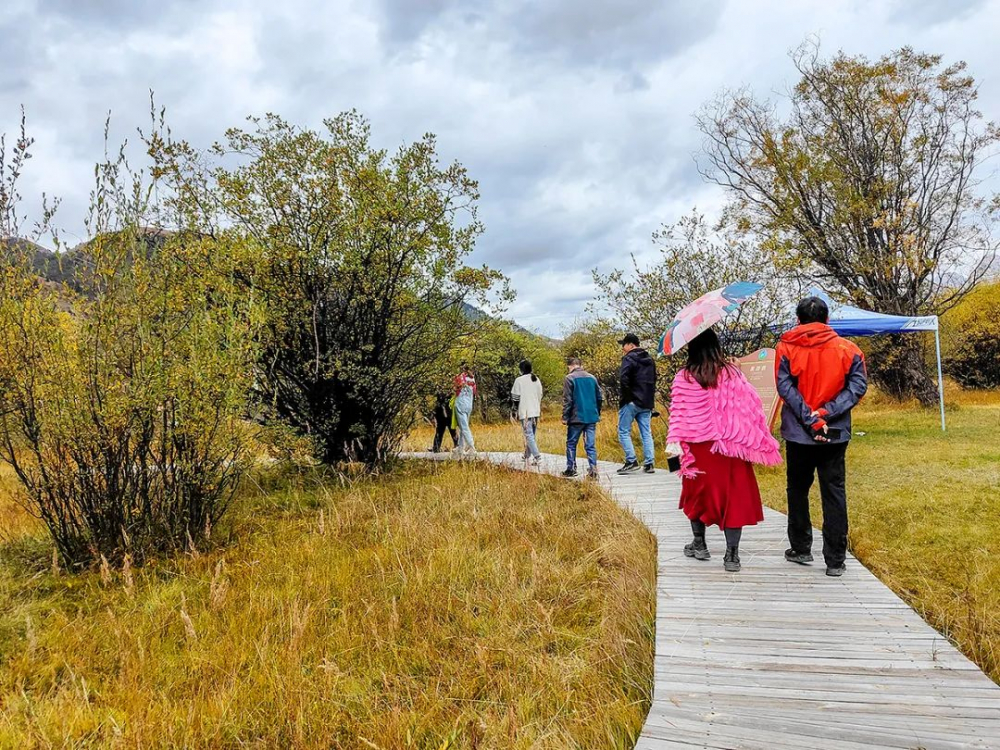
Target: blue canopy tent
[(853, 321)]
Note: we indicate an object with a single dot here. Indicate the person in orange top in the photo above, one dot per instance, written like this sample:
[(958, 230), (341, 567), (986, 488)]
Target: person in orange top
[(820, 377)]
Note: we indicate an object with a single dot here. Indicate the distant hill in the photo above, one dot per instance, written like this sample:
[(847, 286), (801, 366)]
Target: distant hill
[(69, 267), (65, 268), (474, 313)]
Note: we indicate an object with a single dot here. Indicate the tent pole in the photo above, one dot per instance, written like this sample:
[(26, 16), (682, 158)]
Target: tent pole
[(937, 342)]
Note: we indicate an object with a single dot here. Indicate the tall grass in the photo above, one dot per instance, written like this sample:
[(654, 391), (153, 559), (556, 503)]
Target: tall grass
[(447, 606)]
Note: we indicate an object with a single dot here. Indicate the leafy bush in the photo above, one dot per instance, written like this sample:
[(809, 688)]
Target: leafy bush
[(971, 338), (121, 406)]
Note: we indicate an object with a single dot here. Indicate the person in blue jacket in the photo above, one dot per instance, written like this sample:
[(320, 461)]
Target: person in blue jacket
[(582, 402)]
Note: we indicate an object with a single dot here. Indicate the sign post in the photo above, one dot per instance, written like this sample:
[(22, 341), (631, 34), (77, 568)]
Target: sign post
[(759, 370)]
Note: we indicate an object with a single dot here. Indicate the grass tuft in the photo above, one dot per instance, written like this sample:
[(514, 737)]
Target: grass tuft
[(437, 606)]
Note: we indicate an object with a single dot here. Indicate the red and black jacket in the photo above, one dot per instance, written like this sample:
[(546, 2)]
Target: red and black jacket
[(820, 377)]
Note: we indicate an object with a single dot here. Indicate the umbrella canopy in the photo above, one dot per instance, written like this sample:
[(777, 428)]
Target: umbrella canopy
[(704, 313)]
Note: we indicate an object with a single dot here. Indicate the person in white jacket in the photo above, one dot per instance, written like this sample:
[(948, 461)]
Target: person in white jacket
[(526, 394)]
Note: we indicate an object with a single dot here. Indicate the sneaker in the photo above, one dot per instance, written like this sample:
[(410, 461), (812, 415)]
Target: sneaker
[(697, 549), (801, 558), (592, 474), (536, 461), (569, 473), (836, 571), (731, 562), (648, 469), (629, 467)]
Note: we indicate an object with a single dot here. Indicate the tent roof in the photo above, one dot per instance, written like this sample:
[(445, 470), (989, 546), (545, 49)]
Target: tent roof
[(853, 321)]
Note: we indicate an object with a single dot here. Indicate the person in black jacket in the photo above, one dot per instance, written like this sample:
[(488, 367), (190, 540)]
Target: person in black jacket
[(637, 388), (442, 422)]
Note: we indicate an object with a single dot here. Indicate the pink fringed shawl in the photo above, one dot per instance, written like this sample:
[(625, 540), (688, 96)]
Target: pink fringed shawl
[(730, 414)]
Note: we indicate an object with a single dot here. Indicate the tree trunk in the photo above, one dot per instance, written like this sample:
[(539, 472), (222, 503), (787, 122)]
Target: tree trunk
[(898, 365)]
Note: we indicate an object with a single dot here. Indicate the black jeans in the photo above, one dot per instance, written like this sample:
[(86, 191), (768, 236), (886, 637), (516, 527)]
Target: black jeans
[(826, 460), (439, 434)]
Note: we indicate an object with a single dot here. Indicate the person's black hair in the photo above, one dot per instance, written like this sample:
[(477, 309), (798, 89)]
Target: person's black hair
[(525, 367), (574, 362), (706, 359), (812, 310)]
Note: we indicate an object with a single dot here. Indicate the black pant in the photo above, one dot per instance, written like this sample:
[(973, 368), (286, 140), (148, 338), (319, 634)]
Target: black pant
[(826, 460), (441, 426)]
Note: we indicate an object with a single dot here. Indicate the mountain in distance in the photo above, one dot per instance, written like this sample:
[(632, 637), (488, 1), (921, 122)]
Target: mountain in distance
[(64, 268)]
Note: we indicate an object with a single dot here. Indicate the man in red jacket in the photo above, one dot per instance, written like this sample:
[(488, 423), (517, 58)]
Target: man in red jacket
[(821, 377)]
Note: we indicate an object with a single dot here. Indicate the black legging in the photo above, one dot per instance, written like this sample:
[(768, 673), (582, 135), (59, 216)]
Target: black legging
[(732, 535), (440, 427)]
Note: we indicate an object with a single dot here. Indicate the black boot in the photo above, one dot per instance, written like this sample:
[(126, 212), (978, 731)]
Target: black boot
[(731, 562), (697, 549)]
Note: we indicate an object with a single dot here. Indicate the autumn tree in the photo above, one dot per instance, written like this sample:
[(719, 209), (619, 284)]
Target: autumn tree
[(865, 177), (360, 263), (595, 341), (971, 338)]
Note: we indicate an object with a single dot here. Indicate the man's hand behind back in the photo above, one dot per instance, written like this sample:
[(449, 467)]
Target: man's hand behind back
[(821, 434)]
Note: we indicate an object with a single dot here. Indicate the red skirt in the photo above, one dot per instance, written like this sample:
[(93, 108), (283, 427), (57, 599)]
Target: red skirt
[(725, 492)]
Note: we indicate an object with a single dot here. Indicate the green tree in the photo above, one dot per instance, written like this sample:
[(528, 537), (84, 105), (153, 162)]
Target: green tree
[(865, 178), (360, 261), (971, 338), (494, 351)]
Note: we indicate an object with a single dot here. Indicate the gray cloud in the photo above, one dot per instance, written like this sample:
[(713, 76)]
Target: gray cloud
[(932, 12), (114, 14), (621, 33), (403, 21)]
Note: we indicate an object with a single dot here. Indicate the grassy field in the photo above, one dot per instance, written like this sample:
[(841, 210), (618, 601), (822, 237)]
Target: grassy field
[(439, 606), (924, 506)]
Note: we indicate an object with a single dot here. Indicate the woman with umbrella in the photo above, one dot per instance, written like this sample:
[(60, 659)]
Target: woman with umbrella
[(719, 421)]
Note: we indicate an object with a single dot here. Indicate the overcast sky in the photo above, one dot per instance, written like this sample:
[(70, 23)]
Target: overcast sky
[(576, 116)]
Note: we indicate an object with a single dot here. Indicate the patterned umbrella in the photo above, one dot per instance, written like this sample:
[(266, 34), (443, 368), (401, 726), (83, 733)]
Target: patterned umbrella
[(704, 313)]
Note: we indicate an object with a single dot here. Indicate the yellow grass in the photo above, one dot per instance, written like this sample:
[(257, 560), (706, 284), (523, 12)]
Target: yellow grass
[(924, 506), (447, 606), (15, 523)]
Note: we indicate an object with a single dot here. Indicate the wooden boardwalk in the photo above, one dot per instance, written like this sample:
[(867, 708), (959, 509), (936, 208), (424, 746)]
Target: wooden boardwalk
[(780, 656)]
